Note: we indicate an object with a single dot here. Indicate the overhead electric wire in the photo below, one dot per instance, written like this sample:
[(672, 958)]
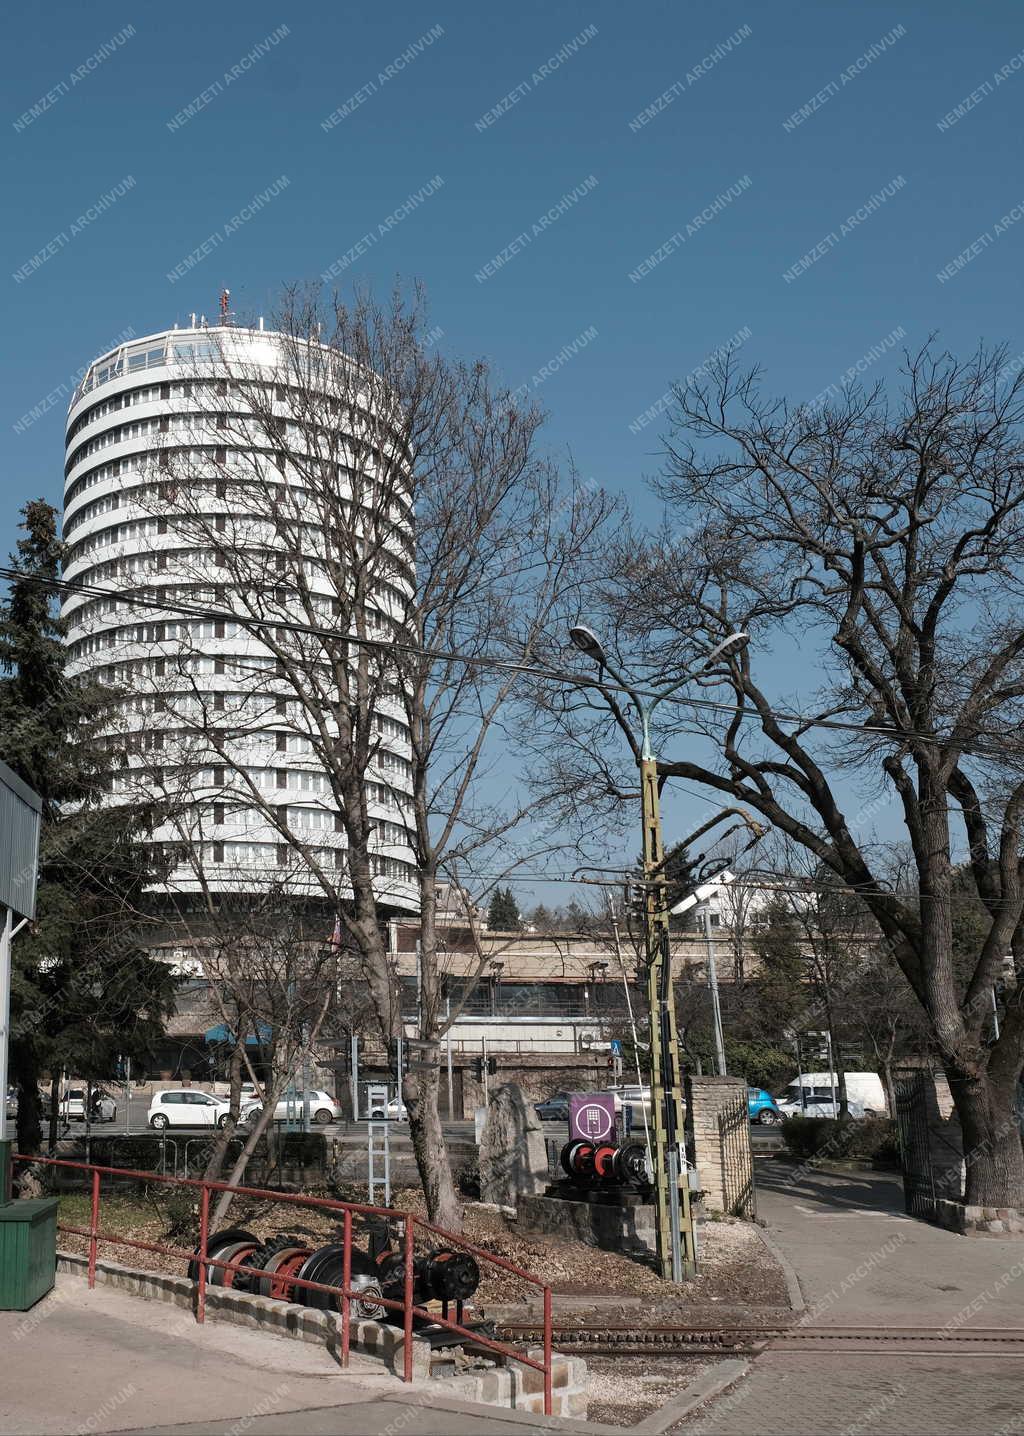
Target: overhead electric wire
[(576, 680)]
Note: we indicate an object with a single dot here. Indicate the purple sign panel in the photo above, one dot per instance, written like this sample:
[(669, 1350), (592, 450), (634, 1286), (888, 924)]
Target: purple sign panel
[(592, 1117)]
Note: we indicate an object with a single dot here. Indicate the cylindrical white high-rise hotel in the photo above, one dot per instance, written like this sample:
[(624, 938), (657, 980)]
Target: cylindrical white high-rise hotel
[(134, 405)]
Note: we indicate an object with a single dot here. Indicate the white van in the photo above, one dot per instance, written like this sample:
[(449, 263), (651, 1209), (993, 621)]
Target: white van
[(864, 1091)]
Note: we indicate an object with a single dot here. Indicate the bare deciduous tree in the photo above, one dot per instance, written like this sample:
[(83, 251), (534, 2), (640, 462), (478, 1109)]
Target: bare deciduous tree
[(380, 524), (886, 540)]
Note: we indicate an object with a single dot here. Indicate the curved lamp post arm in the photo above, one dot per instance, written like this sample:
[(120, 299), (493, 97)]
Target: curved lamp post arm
[(734, 640)]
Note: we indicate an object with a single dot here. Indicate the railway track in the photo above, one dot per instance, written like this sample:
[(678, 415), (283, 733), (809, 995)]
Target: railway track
[(751, 1340)]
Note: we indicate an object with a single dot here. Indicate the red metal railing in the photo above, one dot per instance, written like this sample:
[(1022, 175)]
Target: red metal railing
[(344, 1292)]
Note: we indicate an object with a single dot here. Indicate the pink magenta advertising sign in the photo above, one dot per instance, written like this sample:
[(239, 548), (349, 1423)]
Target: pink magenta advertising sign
[(592, 1116)]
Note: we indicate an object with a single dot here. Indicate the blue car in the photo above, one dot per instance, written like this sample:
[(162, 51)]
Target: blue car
[(762, 1108)]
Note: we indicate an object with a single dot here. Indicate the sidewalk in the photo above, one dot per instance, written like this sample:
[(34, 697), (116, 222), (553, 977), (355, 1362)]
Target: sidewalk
[(859, 1257), (102, 1361), (860, 1261)]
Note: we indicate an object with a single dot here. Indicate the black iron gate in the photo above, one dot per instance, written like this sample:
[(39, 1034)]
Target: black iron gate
[(915, 1143), (738, 1191)]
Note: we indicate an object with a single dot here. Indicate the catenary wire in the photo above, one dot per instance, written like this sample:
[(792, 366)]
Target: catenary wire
[(576, 680)]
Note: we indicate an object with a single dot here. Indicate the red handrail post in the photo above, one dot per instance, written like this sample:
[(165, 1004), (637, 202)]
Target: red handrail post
[(346, 1283), (407, 1298), (204, 1237), (547, 1351), (94, 1226)]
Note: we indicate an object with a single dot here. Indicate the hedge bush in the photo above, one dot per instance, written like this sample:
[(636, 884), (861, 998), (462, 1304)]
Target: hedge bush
[(873, 1137)]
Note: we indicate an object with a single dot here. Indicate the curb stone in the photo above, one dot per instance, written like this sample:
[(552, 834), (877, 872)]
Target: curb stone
[(704, 1389), (793, 1288)]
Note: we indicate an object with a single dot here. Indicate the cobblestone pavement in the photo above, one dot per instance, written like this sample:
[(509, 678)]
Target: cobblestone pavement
[(869, 1395), (861, 1261)]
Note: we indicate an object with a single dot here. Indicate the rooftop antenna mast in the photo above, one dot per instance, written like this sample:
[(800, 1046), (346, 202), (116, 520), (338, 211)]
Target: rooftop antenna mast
[(225, 313)]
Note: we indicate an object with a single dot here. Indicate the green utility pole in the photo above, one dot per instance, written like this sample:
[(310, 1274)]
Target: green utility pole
[(676, 1248)]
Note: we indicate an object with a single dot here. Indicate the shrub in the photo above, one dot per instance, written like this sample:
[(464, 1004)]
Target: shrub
[(873, 1137)]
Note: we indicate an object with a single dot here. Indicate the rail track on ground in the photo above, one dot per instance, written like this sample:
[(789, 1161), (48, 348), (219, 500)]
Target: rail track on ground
[(704, 1340)]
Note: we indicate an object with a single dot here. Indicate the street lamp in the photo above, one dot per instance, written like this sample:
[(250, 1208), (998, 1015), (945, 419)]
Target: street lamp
[(676, 1249)]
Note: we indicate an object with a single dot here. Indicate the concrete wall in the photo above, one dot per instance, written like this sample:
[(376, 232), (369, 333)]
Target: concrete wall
[(718, 1141)]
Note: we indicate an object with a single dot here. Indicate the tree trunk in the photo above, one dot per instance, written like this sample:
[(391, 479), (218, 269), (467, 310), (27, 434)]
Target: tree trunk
[(263, 1123), (993, 1154), (427, 1133), (215, 1165), (29, 1127)]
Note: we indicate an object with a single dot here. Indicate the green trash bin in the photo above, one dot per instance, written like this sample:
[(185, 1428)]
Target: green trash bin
[(28, 1251)]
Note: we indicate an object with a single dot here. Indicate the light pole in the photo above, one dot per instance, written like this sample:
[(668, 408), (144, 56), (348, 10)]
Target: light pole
[(676, 1249), (716, 1006)]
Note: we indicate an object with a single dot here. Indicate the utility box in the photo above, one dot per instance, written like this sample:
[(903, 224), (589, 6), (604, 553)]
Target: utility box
[(28, 1252)]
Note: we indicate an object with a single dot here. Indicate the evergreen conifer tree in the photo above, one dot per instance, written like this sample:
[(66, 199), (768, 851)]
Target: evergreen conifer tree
[(84, 990)]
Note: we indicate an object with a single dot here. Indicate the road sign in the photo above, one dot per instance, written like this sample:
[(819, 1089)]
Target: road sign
[(592, 1116), (616, 1047)]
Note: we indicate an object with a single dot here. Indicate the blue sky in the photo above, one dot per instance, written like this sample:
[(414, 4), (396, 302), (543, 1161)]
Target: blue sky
[(718, 190)]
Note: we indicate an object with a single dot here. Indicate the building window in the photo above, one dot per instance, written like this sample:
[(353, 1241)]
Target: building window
[(218, 813), (218, 852)]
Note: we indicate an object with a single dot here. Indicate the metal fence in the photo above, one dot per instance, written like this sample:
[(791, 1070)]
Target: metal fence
[(200, 1262)]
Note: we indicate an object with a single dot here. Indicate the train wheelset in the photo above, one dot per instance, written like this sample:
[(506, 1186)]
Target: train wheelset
[(274, 1266), (587, 1163)]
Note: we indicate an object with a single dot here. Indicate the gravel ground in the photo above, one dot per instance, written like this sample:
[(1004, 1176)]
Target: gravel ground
[(623, 1390)]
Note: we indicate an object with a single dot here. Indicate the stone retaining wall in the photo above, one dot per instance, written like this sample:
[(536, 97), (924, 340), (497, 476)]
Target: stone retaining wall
[(613, 1226), (979, 1221)]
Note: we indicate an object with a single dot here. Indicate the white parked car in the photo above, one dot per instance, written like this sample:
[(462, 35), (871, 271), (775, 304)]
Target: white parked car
[(322, 1108), (187, 1109), (395, 1111), (815, 1102)]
